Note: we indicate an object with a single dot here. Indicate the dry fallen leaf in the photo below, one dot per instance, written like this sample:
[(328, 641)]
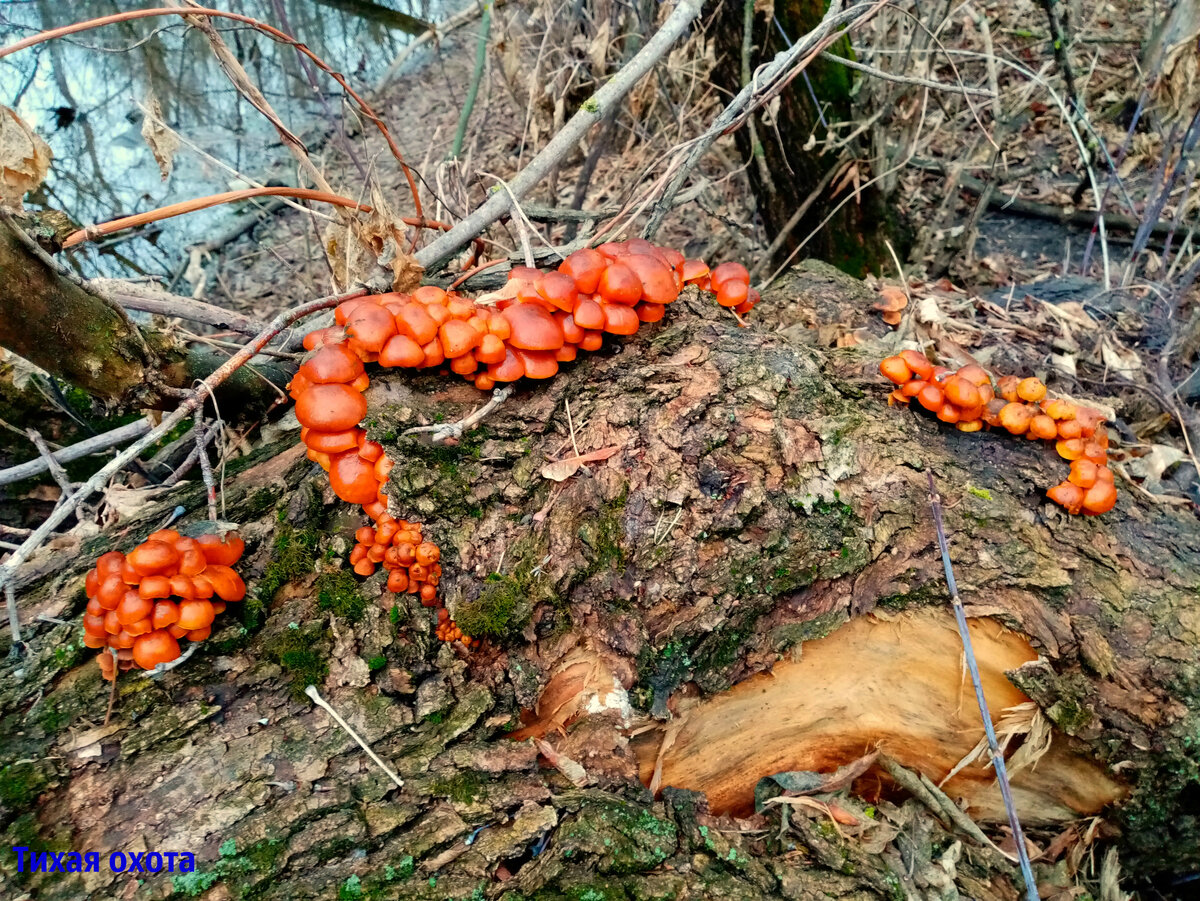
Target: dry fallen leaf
[(1118, 359), (24, 159), (162, 140), (363, 251), (561, 470)]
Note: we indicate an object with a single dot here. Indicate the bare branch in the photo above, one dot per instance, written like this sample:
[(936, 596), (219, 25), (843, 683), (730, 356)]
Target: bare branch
[(562, 143)]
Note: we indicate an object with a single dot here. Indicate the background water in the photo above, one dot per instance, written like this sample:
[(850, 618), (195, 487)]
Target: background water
[(82, 94)]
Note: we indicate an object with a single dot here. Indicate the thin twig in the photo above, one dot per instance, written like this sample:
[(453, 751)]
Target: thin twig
[(170, 664), (56, 471), (112, 694), (445, 430), (75, 452), (210, 486), (312, 692), (960, 617), (908, 79), (14, 622), (160, 303)]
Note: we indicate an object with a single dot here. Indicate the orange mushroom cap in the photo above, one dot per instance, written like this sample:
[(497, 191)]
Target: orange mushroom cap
[(918, 363), (585, 267), (727, 272), (532, 328), (1031, 390), (153, 648), (371, 326), (332, 363), (331, 408), (1067, 495), (619, 284), (403, 352), (620, 319), (353, 478), (656, 277), (961, 392), (153, 557), (1100, 498), (895, 369)]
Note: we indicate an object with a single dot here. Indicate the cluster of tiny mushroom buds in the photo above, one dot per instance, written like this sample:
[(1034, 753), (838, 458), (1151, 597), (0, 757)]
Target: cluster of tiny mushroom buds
[(968, 400), (168, 588), (537, 321)]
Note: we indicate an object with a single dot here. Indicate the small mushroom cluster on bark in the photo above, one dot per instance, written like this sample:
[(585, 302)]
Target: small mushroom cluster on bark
[(168, 588), (968, 400)]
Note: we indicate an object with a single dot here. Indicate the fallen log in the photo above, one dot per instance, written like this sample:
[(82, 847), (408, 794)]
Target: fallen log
[(749, 586)]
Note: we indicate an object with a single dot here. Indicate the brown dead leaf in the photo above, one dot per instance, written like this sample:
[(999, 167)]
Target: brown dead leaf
[(561, 470), (24, 159), (162, 140), (367, 251)]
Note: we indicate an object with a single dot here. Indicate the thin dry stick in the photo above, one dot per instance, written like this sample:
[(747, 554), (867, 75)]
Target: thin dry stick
[(56, 471), (112, 695), (186, 408), (75, 452), (190, 460), (960, 617), (205, 465), (455, 429), (163, 304), (312, 692), (14, 622), (568, 136)]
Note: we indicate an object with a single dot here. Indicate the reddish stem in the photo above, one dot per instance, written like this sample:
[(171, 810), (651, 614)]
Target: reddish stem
[(93, 232)]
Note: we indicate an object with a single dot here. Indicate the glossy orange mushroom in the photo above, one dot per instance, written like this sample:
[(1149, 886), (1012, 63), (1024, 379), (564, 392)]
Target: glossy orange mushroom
[(330, 408)]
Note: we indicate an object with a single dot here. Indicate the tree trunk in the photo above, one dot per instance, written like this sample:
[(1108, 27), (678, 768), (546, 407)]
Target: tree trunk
[(785, 174), (81, 339), (765, 512), (63, 329)]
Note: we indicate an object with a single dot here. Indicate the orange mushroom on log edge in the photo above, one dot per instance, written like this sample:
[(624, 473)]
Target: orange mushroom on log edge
[(968, 400), (544, 320)]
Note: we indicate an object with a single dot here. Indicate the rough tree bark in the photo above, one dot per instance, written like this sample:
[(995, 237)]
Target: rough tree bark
[(765, 510), (785, 174)]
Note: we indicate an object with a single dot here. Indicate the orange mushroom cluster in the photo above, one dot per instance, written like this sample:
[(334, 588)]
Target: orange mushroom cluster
[(538, 320), (968, 400), (168, 588)]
